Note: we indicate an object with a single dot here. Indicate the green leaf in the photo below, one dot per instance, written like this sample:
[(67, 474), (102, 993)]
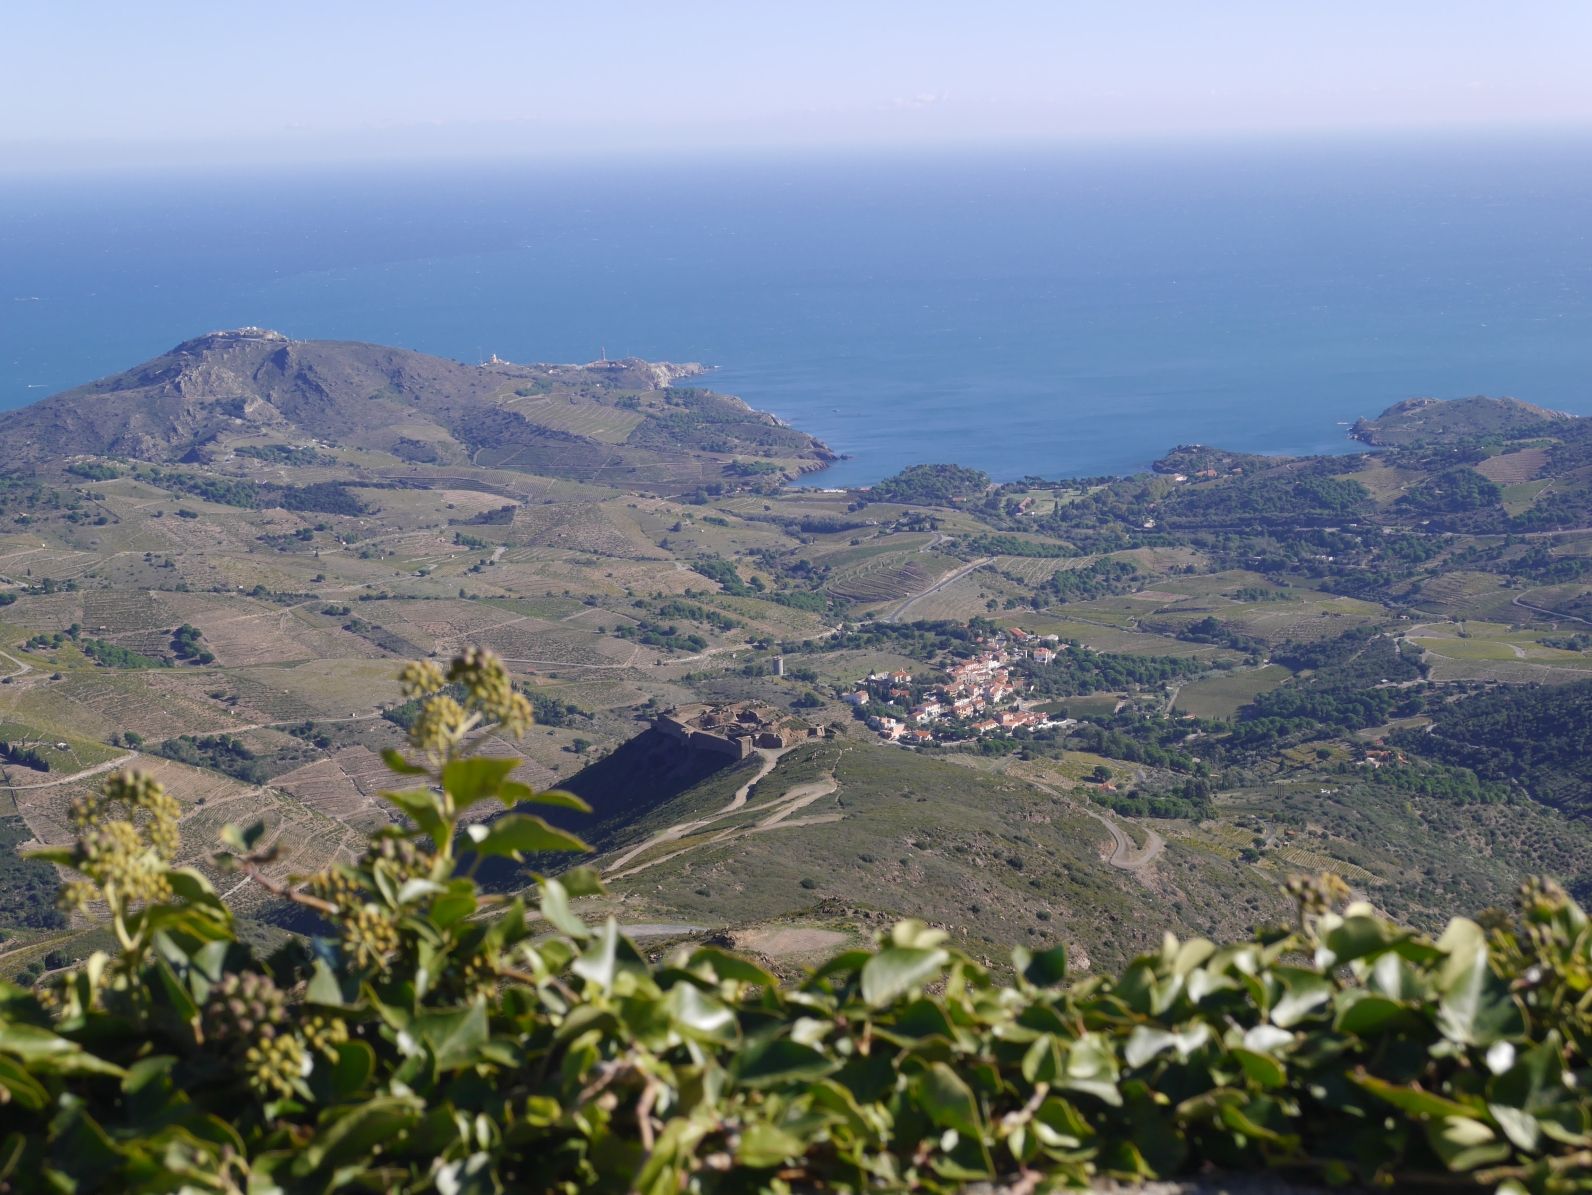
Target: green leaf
[(1353, 938), (896, 970), (422, 807), (584, 880), (61, 856), (1261, 1069), (45, 1052), (763, 1145), (242, 841), (1145, 1042), (699, 1015), (471, 780), (514, 793), (770, 1063), (353, 1133), (1045, 969), (1476, 1007), (456, 902), (347, 1076), (1414, 1100), (947, 1101), (1518, 1125), (173, 993), (335, 989), (454, 1036), (23, 1090), (1465, 1144), (600, 961), (398, 764), (1303, 993), (1366, 1014), (413, 889), (731, 966), (516, 833), (556, 911)]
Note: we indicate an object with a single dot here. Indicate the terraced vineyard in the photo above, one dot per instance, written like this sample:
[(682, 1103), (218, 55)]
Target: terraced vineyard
[(597, 421), (882, 577), (1512, 468)]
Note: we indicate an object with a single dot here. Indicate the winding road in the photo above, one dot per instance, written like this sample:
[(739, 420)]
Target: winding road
[(1546, 613), (1124, 854)]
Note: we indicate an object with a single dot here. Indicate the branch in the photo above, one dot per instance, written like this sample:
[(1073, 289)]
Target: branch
[(251, 869)]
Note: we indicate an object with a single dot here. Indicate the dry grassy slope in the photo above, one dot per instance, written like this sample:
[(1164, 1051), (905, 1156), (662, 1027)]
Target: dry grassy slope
[(187, 403), (986, 854)]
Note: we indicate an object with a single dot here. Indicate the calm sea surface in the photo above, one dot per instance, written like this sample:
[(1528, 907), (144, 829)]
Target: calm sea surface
[(1050, 312)]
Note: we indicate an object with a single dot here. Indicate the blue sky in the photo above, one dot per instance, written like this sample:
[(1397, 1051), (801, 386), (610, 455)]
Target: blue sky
[(85, 81)]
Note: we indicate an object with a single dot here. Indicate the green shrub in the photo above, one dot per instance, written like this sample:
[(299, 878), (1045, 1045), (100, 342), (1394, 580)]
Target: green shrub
[(437, 1038)]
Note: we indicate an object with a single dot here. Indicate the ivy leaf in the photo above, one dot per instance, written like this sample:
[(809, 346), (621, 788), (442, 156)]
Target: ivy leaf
[(1303, 993), (1046, 969), (699, 1015), (355, 1063), (242, 841), (47, 1053), (514, 834), (763, 1145), (334, 989), (1476, 1007), (472, 780), (398, 764), (1465, 1144), (454, 1036), (556, 911), (1414, 1100), (513, 793), (1366, 1014), (600, 962), (456, 902), (896, 970), (1145, 1042), (947, 1101), (22, 1089), (420, 806), (1261, 1069), (353, 1134), (731, 966), (781, 1060)]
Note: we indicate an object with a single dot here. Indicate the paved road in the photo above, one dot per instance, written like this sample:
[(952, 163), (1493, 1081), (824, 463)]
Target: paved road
[(1123, 853), (1545, 612), (950, 578)]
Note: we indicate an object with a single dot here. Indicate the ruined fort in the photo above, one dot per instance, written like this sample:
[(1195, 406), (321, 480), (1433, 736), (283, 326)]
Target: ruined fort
[(735, 730)]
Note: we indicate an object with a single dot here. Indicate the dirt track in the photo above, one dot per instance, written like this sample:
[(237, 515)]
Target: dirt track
[(776, 815), (950, 578)]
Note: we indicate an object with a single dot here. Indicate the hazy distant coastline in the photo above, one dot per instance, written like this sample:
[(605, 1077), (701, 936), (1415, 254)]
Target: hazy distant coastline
[(1025, 314)]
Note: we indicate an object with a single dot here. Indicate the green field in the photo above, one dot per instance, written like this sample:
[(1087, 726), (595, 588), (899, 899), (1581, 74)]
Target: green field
[(1221, 695)]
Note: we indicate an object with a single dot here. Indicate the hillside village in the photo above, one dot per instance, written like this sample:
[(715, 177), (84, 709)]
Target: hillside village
[(971, 697)]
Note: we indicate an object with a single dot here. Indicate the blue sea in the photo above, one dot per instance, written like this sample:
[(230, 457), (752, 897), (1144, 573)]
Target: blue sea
[(1050, 311)]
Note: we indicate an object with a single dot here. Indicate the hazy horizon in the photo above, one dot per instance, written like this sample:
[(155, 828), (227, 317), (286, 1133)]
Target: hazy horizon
[(196, 86)]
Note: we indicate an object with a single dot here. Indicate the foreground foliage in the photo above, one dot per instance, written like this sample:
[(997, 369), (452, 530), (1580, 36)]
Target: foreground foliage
[(440, 1038)]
